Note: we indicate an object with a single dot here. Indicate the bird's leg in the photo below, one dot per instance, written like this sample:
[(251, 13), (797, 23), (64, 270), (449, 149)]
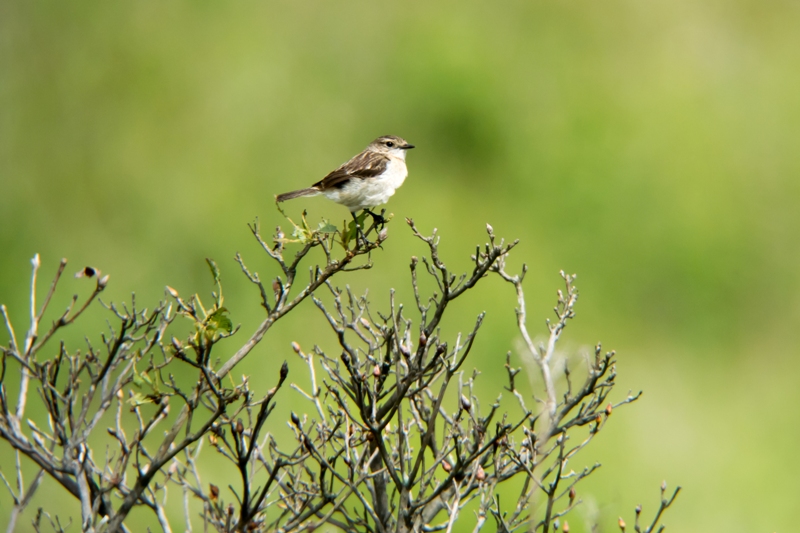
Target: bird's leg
[(377, 219), (359, 231)]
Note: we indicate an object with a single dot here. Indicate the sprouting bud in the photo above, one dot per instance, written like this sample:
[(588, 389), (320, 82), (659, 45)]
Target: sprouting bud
[(177, 344), (571, 494), (376, 371), (465, 403), (414, 260), (423, 339), (295, 347), (120, 395), (446, 466), (364, 322), (213, 492), (212, 439), (173, 468), (230, 509), (102, 282), (664, 485), (239, 426), (480, 474), (383, 234), (284, 371), (489, 229), (598, 419), (295, 419), (608, 409), (556, 524), (565, 529), (276, 286), (621, 523), (638, 509)]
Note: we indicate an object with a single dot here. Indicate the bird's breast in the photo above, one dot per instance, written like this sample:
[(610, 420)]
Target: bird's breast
[(395, 174)]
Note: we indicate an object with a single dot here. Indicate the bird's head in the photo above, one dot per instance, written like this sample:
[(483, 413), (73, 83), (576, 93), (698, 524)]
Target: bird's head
[(391, 144)]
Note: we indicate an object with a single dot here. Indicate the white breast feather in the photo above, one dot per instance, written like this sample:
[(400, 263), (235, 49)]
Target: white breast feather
[(368, 193)]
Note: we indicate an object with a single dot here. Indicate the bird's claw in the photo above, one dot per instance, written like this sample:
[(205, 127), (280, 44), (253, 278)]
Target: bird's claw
[(377, 219)]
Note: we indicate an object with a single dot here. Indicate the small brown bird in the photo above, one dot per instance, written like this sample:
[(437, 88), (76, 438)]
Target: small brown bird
[(367, 180)]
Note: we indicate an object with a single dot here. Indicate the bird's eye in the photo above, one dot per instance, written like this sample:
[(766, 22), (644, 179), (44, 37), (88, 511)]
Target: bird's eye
[(390, 144)]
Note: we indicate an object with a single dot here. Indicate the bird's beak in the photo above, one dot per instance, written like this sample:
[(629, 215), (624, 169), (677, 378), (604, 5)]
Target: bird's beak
[(407, 147)]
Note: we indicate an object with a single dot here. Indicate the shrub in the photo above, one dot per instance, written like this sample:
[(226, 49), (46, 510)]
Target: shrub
[(395, 437)]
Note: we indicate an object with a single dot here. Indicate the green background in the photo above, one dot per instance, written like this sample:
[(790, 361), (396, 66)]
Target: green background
[(651, 147)]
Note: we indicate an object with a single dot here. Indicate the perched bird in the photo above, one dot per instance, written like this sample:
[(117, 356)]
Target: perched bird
[(367, 180)]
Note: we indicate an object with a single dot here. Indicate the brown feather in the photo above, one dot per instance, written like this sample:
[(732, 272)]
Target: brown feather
[(296, 194), (365, 165)]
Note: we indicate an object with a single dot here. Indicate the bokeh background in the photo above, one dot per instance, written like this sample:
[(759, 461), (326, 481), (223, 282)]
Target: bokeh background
[(651, 147)]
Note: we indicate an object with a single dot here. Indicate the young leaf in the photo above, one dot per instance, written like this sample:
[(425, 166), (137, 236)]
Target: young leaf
[(327, 227), (219, 320), (140, 399), (347, 234), (301, 235), (214, 269), (352, 231)]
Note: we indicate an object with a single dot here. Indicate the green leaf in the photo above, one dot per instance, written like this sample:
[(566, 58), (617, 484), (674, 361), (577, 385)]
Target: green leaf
[(214, 269), (300, 234), (143, 380), (140, 399), (219, 320), (347, 234), (350, 233), (327, 227)]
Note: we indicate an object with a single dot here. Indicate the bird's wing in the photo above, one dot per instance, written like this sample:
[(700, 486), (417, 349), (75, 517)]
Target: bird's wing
[(364, 165)]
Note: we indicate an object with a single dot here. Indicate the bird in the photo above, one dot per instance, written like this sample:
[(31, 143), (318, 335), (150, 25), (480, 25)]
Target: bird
[(367, 180)]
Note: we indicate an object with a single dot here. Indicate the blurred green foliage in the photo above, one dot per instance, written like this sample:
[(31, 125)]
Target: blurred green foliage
[(649, 147)]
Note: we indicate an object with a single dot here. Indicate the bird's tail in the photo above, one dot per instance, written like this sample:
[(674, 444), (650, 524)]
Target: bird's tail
[(296, 194)]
